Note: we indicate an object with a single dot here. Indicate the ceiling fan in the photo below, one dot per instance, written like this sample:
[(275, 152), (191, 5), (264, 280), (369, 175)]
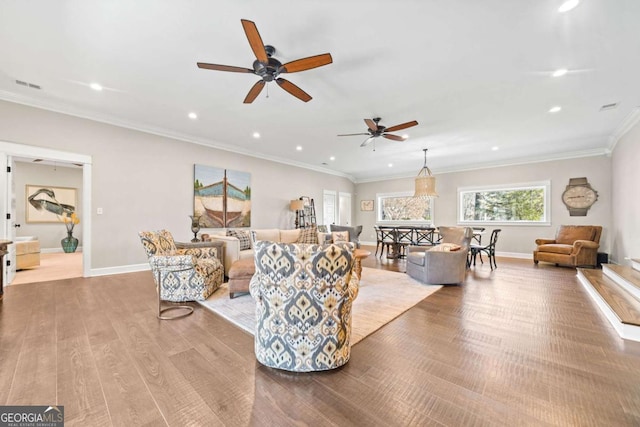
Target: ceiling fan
[(374, 130), (268, 68)]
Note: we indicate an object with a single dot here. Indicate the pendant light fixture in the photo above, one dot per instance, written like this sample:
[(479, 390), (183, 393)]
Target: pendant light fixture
[(425, 181)]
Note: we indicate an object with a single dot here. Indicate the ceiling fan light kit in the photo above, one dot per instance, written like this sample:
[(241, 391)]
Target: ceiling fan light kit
[(269, 68), (425, 182)]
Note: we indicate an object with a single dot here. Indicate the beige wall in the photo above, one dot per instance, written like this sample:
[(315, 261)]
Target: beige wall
[(49, 234), (625, 235), (513, 239), (145, 182)]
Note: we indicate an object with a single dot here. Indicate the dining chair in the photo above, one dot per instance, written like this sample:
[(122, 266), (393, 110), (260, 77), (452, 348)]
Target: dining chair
[(489, 249), (423, 236), (477, 234), (388, 239), (403, 238), (378, 238)]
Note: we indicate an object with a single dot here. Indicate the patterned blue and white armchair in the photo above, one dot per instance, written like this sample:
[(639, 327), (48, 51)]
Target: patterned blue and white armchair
[(303, 295), (199, 270)]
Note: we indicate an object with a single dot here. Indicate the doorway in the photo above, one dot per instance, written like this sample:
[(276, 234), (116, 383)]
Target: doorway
[(9, 153)]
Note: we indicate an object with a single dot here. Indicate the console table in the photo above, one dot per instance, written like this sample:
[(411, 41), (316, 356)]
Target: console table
[(3, 252)]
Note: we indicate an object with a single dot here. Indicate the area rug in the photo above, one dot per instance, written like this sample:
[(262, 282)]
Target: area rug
[(383, 296)]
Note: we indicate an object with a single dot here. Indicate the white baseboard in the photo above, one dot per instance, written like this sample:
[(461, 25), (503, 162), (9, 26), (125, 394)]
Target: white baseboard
[(107, 271)]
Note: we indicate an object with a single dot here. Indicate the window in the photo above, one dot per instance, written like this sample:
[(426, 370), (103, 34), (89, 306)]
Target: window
[(403, 208), (521, 204)]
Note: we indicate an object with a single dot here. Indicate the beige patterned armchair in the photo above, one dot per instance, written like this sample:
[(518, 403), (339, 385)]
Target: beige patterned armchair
[(303, 295), (199, 270)]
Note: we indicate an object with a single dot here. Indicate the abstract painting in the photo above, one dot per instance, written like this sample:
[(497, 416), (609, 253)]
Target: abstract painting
[(222, 197)]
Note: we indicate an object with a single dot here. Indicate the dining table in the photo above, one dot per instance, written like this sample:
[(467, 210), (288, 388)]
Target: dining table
[(399, 237)]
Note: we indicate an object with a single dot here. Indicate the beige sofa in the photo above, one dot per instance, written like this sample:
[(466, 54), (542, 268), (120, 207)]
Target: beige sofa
[(232, 250)]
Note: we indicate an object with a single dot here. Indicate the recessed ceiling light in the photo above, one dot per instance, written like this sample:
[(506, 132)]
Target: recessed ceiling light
[(555, 109), (96, 86), (405, 136), (299, 148), (559, 72), (568, 5), (496, 148), (332, 158), (256, 135), (390, 165), (193, 116)]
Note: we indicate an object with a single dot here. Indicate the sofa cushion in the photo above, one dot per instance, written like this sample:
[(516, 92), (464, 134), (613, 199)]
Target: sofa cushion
[(556, 248), (242, 236), (567, 234), (269, 235), (339, 236), (289, 236), (445, 247), (308, 235)]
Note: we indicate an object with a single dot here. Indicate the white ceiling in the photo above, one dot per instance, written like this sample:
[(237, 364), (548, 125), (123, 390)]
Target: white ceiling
[(474, 74)]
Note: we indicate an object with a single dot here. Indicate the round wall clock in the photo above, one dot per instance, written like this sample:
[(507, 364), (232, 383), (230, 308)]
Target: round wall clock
[(578, 197)]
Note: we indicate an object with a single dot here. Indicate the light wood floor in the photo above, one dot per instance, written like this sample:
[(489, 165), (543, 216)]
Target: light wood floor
[(53, 266), (522, 345)]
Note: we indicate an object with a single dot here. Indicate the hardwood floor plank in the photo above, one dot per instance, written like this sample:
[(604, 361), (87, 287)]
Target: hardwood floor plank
[(129, 401), (176, 399), (79, 384), (35, 370)]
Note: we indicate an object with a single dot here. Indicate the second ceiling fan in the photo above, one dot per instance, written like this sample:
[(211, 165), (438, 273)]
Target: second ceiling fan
[(268, 68), (375, 130)]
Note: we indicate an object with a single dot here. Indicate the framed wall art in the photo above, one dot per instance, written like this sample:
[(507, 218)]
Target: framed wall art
[(222, 197), (48, 204), (366, 205)]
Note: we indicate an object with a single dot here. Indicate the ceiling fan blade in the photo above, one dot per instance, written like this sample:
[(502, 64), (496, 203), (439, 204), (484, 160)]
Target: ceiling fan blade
[(371, 124), (254, 92), (353, 134), (307, 63), (366, 142), (224, 68), (393, 137), (402, 126), (293, 90), (255, 41)]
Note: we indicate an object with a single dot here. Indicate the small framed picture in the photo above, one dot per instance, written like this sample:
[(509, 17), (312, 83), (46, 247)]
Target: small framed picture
[(366, 205)]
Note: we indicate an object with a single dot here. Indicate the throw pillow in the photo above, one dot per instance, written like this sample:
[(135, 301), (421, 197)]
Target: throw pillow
[(445, 247), (242, 236), (340, 236), (308, 235)]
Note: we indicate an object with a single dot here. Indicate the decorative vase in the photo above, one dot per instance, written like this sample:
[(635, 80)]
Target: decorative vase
[(69, 243), (195, 227)]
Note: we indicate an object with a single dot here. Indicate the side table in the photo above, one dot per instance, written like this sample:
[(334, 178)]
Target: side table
[(359, 255)]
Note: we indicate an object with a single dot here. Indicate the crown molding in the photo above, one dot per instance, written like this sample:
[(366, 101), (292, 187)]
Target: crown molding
[(113, 121), (511, 162), (629, 122)]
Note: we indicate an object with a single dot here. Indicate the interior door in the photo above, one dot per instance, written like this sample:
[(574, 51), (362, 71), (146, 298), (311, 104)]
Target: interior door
[(8, 209), (329, 208), (344, 211)]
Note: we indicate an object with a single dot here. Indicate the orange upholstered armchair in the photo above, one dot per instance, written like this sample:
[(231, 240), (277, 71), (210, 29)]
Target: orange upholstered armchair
[(575, 245)]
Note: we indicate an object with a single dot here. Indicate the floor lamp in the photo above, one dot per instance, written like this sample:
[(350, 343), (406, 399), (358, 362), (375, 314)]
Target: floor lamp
[(297, 206)]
